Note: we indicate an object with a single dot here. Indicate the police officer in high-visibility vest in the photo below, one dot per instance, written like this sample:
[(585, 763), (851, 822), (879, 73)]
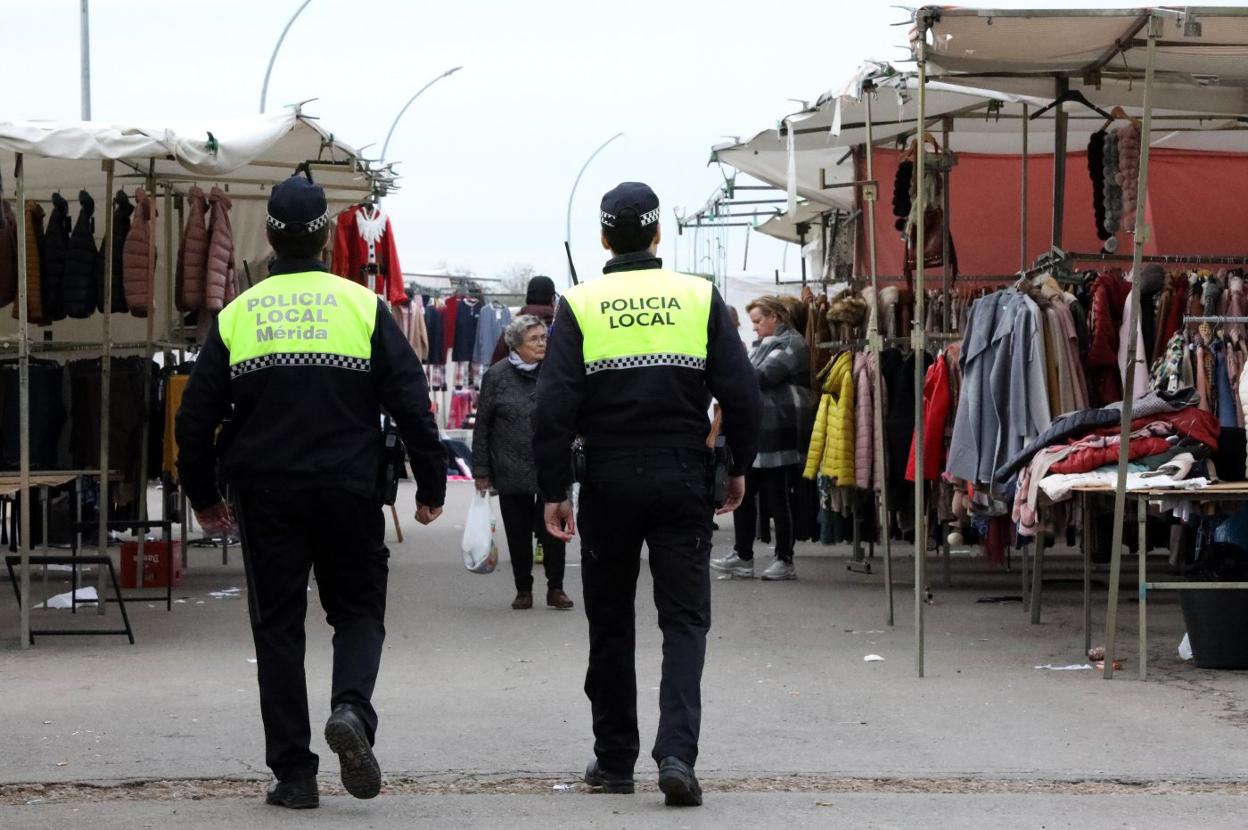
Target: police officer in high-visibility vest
[(633, 361), (299, 367)]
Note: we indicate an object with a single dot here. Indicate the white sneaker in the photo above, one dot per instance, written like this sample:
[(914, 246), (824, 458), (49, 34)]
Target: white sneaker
[(734, 566), (780, 570)]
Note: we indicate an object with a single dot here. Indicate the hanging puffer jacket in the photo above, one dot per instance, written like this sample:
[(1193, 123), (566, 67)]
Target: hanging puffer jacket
[(219, 285), (55, 256), (193, 253), (78, 291), (122, 212), (34, 260), (831, 452), (8, 255), (139, 257)]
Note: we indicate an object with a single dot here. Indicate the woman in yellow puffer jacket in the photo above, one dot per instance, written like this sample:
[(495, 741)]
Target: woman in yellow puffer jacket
[(831, 452)]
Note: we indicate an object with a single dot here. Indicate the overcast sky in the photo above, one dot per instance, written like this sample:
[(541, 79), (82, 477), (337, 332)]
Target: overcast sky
[(490, 154)]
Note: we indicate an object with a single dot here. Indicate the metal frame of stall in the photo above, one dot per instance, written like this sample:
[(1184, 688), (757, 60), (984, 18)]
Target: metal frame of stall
[(374, 179)]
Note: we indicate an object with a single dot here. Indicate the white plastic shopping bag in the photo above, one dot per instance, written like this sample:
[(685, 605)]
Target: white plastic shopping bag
[(480, 552)]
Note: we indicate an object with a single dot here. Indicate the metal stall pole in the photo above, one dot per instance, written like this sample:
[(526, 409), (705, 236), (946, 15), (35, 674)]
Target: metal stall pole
[(23, 368), (946, 319), (106, 375), (1133, 329), (1022, 252), (870, 194), (146, 431), (166, 351), (919, 338), (1059, 162)]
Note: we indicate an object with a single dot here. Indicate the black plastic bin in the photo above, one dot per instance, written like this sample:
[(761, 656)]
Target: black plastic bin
[(1217, 626)]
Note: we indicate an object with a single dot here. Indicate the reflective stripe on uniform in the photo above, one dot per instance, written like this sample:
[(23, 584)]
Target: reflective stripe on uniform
[(635, 319), (309, 319)]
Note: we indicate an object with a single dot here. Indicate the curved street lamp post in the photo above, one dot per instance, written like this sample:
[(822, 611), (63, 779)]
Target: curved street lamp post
[(264, 90), (386, 145), (567, 234)]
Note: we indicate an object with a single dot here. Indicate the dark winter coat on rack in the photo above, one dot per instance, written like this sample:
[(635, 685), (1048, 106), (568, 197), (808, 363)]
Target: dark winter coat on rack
[(8, 255), (55, 257), (78, 290), (123, 211)]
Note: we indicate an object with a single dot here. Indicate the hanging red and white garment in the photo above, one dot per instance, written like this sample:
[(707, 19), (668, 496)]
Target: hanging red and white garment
[(364, 252)]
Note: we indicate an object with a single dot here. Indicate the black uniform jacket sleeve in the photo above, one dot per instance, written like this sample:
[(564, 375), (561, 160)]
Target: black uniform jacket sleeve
[(731, 379), (560, 392), (205, 404), (401, 389)]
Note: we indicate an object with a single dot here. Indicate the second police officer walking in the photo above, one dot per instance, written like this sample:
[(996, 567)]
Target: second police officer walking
[(633, 362)]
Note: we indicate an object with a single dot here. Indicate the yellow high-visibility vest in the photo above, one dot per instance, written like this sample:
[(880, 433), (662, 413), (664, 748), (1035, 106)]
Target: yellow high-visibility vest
[(312, 318), (632, 319)]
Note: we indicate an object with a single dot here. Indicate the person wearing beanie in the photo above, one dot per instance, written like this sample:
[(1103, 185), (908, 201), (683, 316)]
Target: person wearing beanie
[(539, 302)]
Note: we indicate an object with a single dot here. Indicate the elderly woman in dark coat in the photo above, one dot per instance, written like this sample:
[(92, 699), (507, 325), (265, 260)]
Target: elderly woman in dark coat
[(502, 459)]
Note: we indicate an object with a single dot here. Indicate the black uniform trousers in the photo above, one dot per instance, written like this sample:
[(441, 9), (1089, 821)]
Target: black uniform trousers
[(661, 498), (341, 537)]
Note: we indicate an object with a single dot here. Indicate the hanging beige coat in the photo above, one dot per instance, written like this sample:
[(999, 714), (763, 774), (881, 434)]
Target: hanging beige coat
[(139, 257), (219, 285), (193, 253)]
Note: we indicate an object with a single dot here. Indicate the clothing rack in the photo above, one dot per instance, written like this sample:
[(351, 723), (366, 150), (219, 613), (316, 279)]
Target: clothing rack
[(887, 342), (1215, 319), (1176, 259)]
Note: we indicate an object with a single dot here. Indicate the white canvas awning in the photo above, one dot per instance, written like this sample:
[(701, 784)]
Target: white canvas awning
[(785, 226), (984, 115), (245, 157)]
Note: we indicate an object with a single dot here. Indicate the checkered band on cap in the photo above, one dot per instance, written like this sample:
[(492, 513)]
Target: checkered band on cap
[(297, 227), (288, 359), (641, 361), (608, 220), (649, 217)]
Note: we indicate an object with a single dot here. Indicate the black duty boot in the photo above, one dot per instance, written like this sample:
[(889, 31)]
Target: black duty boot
[(344, 732), (295, 793), (597, 777), (679, 785)]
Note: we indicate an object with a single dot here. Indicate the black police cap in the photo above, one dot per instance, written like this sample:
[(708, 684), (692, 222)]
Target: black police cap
[(629, 203), (297, 206)]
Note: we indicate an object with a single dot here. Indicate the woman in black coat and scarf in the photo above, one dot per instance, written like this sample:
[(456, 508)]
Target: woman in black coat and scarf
[(502, 459)]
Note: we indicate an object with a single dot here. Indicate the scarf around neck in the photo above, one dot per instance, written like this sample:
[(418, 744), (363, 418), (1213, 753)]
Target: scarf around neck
[(521, 365)]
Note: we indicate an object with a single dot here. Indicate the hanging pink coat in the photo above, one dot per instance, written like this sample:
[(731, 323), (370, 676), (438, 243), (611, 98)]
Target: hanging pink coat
[(139, 257), (193, 254), (219, 285)]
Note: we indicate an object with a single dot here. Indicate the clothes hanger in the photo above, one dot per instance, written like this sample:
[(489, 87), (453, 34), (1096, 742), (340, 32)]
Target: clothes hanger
[(1070, 96)]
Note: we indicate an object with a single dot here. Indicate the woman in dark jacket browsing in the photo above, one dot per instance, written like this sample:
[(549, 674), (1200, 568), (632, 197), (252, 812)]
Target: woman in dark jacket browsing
[(539, 301), (502, 458), (782, 364)]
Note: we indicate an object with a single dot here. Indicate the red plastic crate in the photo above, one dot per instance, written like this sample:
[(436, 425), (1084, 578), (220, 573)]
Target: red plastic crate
[(156, 561)]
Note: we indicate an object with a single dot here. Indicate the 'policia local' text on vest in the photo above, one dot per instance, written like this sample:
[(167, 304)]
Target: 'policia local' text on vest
[(632, 319), (308, 319)]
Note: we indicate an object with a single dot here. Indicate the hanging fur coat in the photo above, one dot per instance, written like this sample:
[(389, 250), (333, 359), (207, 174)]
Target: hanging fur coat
[(193, 254), (139, 257), (78, 290)]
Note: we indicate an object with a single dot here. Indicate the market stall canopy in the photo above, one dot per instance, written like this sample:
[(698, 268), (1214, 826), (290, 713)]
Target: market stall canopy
[(786, 225), (1201, 62), (245, 157)]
